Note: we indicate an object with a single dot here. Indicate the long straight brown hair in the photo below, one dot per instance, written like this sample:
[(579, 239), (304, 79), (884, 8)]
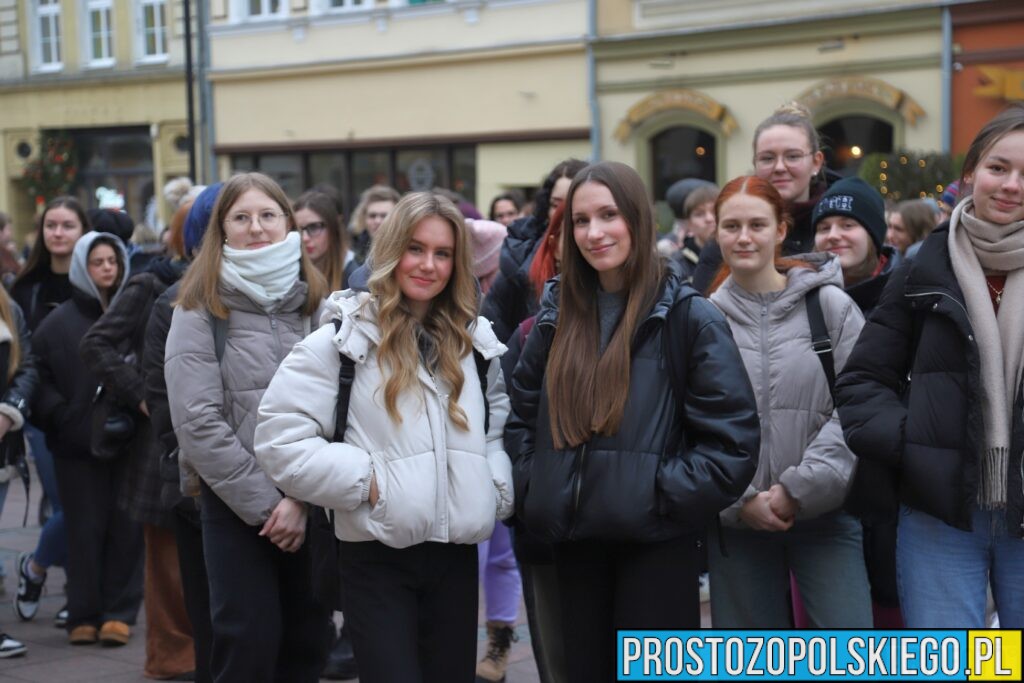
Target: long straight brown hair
[(326, 207), (579, 407), (199, 287)]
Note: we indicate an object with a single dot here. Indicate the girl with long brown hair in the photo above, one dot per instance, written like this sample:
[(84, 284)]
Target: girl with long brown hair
[(324, 238), (420, 474), (633, 425)]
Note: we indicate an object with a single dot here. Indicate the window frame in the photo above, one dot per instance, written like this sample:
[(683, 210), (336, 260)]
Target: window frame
[(47, 10), (160, 31), (89, 58), (243, 13)]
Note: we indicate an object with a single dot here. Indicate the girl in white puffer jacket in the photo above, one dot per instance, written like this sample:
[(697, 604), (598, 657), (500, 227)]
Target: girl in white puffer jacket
[(417, 481)]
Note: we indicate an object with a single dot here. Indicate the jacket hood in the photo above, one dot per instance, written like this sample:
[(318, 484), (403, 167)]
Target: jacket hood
[(738, 303), (293, 300), (79, 273), (168, 270), (518, 248), (357, 312)]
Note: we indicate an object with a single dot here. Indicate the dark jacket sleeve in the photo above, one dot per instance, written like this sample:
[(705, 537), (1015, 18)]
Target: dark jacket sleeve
[(721, 427), (153, 370), (505, 306), (48, 403), (22, 387), (103, 347), (707, 267), (869, 389)]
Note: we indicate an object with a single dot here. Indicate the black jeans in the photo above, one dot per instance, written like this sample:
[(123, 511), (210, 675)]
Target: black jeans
[(411, 612), (188, 531), (610, 586), (266, 624), (104, 570)]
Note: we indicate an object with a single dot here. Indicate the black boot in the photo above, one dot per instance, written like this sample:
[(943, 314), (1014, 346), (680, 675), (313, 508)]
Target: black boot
[(341, 661)]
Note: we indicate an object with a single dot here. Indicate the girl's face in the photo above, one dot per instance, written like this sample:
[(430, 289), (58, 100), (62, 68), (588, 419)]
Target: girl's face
[(748, 233), (426, 267), (783, 157), (61, 230), (315, 240), (998, 181), (601, 233), (102, 266), (255, 221), (844, 237), (376, 212), (505, 211), (896, 233), (558, 193), (702, 222)]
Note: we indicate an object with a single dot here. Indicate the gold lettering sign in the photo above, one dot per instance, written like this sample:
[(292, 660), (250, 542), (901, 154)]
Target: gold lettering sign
[(863, 88), (1005, 84), (673, 100)]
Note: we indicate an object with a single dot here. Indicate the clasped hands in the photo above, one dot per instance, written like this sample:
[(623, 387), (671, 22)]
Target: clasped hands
[(771, 510)]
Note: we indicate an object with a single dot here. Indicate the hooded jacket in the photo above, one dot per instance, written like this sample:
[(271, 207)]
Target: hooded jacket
[(802, 444), (436, 482), (62, 406), (213, 405), (675, 462)]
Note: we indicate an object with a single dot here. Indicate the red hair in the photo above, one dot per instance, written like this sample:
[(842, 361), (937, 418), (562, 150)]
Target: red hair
[(544, 266), (764, 190)]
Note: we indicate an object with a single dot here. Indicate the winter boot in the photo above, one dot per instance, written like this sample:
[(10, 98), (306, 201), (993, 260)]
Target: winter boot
[(491, 669)]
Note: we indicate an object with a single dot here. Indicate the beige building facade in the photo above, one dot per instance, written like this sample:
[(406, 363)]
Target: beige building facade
[(106, 74)]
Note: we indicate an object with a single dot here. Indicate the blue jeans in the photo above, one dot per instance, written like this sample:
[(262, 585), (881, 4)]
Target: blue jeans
[(943, 572), (52, 549)]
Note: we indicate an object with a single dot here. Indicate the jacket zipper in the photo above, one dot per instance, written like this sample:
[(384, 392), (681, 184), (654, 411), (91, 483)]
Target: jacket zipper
[(576, 487), (443, 400), (948, 296), (766, 388)]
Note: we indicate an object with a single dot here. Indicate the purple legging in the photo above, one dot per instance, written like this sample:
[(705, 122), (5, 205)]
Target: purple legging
[(500, 574)]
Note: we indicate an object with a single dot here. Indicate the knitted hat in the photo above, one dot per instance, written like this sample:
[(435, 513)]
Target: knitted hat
[(854, 198), (199, 217), (951, 195), (113, 221), (678, 191), (486, 238)]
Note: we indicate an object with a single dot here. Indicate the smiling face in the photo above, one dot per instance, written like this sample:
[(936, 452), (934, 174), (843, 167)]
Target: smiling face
[(783, 157), (426, 266), (255, 221), (601, 233), (998, 181), (315, 240), (748, 233), (61, 230), (844, 237), (102, 266)]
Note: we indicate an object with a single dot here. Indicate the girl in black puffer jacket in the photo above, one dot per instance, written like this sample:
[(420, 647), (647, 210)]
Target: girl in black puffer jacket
[(621, 454)]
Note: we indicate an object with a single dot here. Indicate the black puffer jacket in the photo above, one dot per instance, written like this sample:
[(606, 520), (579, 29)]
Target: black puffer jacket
[(63, 403), (669, 470), (512, 299), (917, 407)]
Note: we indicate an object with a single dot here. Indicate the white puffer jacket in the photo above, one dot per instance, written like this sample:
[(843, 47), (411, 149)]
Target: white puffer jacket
[(436, 482)]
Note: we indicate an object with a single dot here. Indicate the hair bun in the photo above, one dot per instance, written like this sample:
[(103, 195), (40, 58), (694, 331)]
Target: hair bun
[(793, 108)]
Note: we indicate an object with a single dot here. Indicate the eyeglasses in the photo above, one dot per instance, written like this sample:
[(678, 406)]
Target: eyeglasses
[(269, 220), (313, 229), (789, 159)]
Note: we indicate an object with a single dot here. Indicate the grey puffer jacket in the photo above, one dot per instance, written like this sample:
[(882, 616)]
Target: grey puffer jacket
[(802, 444), (213, 406)]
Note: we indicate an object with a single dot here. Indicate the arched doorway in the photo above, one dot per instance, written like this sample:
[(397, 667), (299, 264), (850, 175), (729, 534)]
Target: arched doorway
[(681, 152), (848, 139)]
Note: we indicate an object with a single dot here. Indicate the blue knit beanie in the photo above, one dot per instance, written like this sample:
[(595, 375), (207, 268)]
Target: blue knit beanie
[(199, 217)]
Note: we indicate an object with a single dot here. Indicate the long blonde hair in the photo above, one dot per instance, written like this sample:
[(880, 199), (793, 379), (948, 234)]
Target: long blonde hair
[(451, 313), (7, 314), (200, 286)]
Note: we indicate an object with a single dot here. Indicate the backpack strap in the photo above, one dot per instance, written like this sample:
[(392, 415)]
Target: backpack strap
[(483, 366), (346, 375), (821, 342), (220, 336)]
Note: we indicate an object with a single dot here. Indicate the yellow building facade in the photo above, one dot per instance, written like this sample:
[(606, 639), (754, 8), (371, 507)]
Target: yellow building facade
[(107, 74)]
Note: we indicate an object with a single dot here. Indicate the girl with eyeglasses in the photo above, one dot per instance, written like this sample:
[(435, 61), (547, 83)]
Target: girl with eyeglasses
[(787, 154), (324, 240), (251, 280)]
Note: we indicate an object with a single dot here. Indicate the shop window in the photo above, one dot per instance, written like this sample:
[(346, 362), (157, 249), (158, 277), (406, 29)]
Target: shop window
[(681, 152), (848, 139)]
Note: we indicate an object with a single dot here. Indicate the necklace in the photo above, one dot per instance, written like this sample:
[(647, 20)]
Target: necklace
[(997, 292)]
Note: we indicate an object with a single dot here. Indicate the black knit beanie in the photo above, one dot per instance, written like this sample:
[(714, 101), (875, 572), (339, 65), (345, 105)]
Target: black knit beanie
[(854, 198)]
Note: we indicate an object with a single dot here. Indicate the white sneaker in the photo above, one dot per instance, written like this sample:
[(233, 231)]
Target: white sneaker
[(705, 588), (9, 647)]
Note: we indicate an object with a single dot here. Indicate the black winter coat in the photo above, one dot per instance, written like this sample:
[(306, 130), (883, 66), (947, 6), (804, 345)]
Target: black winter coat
[(157, 327), (910, 394), (670, 469), (512, 299), (40, 293), (63, 403), (20, 391)]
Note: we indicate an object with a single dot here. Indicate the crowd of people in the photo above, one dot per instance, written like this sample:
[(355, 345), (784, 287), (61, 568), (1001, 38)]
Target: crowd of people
[(800, 403)]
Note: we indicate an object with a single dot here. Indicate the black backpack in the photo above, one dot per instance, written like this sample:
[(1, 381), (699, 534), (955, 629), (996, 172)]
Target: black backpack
[(324, 545)]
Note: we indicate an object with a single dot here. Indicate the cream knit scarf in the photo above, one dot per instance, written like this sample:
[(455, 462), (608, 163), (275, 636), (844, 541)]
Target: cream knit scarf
[(264, 275), (976, 246)]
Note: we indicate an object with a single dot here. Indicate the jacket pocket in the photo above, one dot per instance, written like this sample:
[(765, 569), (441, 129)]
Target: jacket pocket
[(546, 503), (618, 496), (404, 513), (472, 498)]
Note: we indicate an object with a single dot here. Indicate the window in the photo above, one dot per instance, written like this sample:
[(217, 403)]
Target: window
[(848, 139), (263, 8), (681, 152), (152, 30), (99, 39), (48, 35), (347, 4)]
